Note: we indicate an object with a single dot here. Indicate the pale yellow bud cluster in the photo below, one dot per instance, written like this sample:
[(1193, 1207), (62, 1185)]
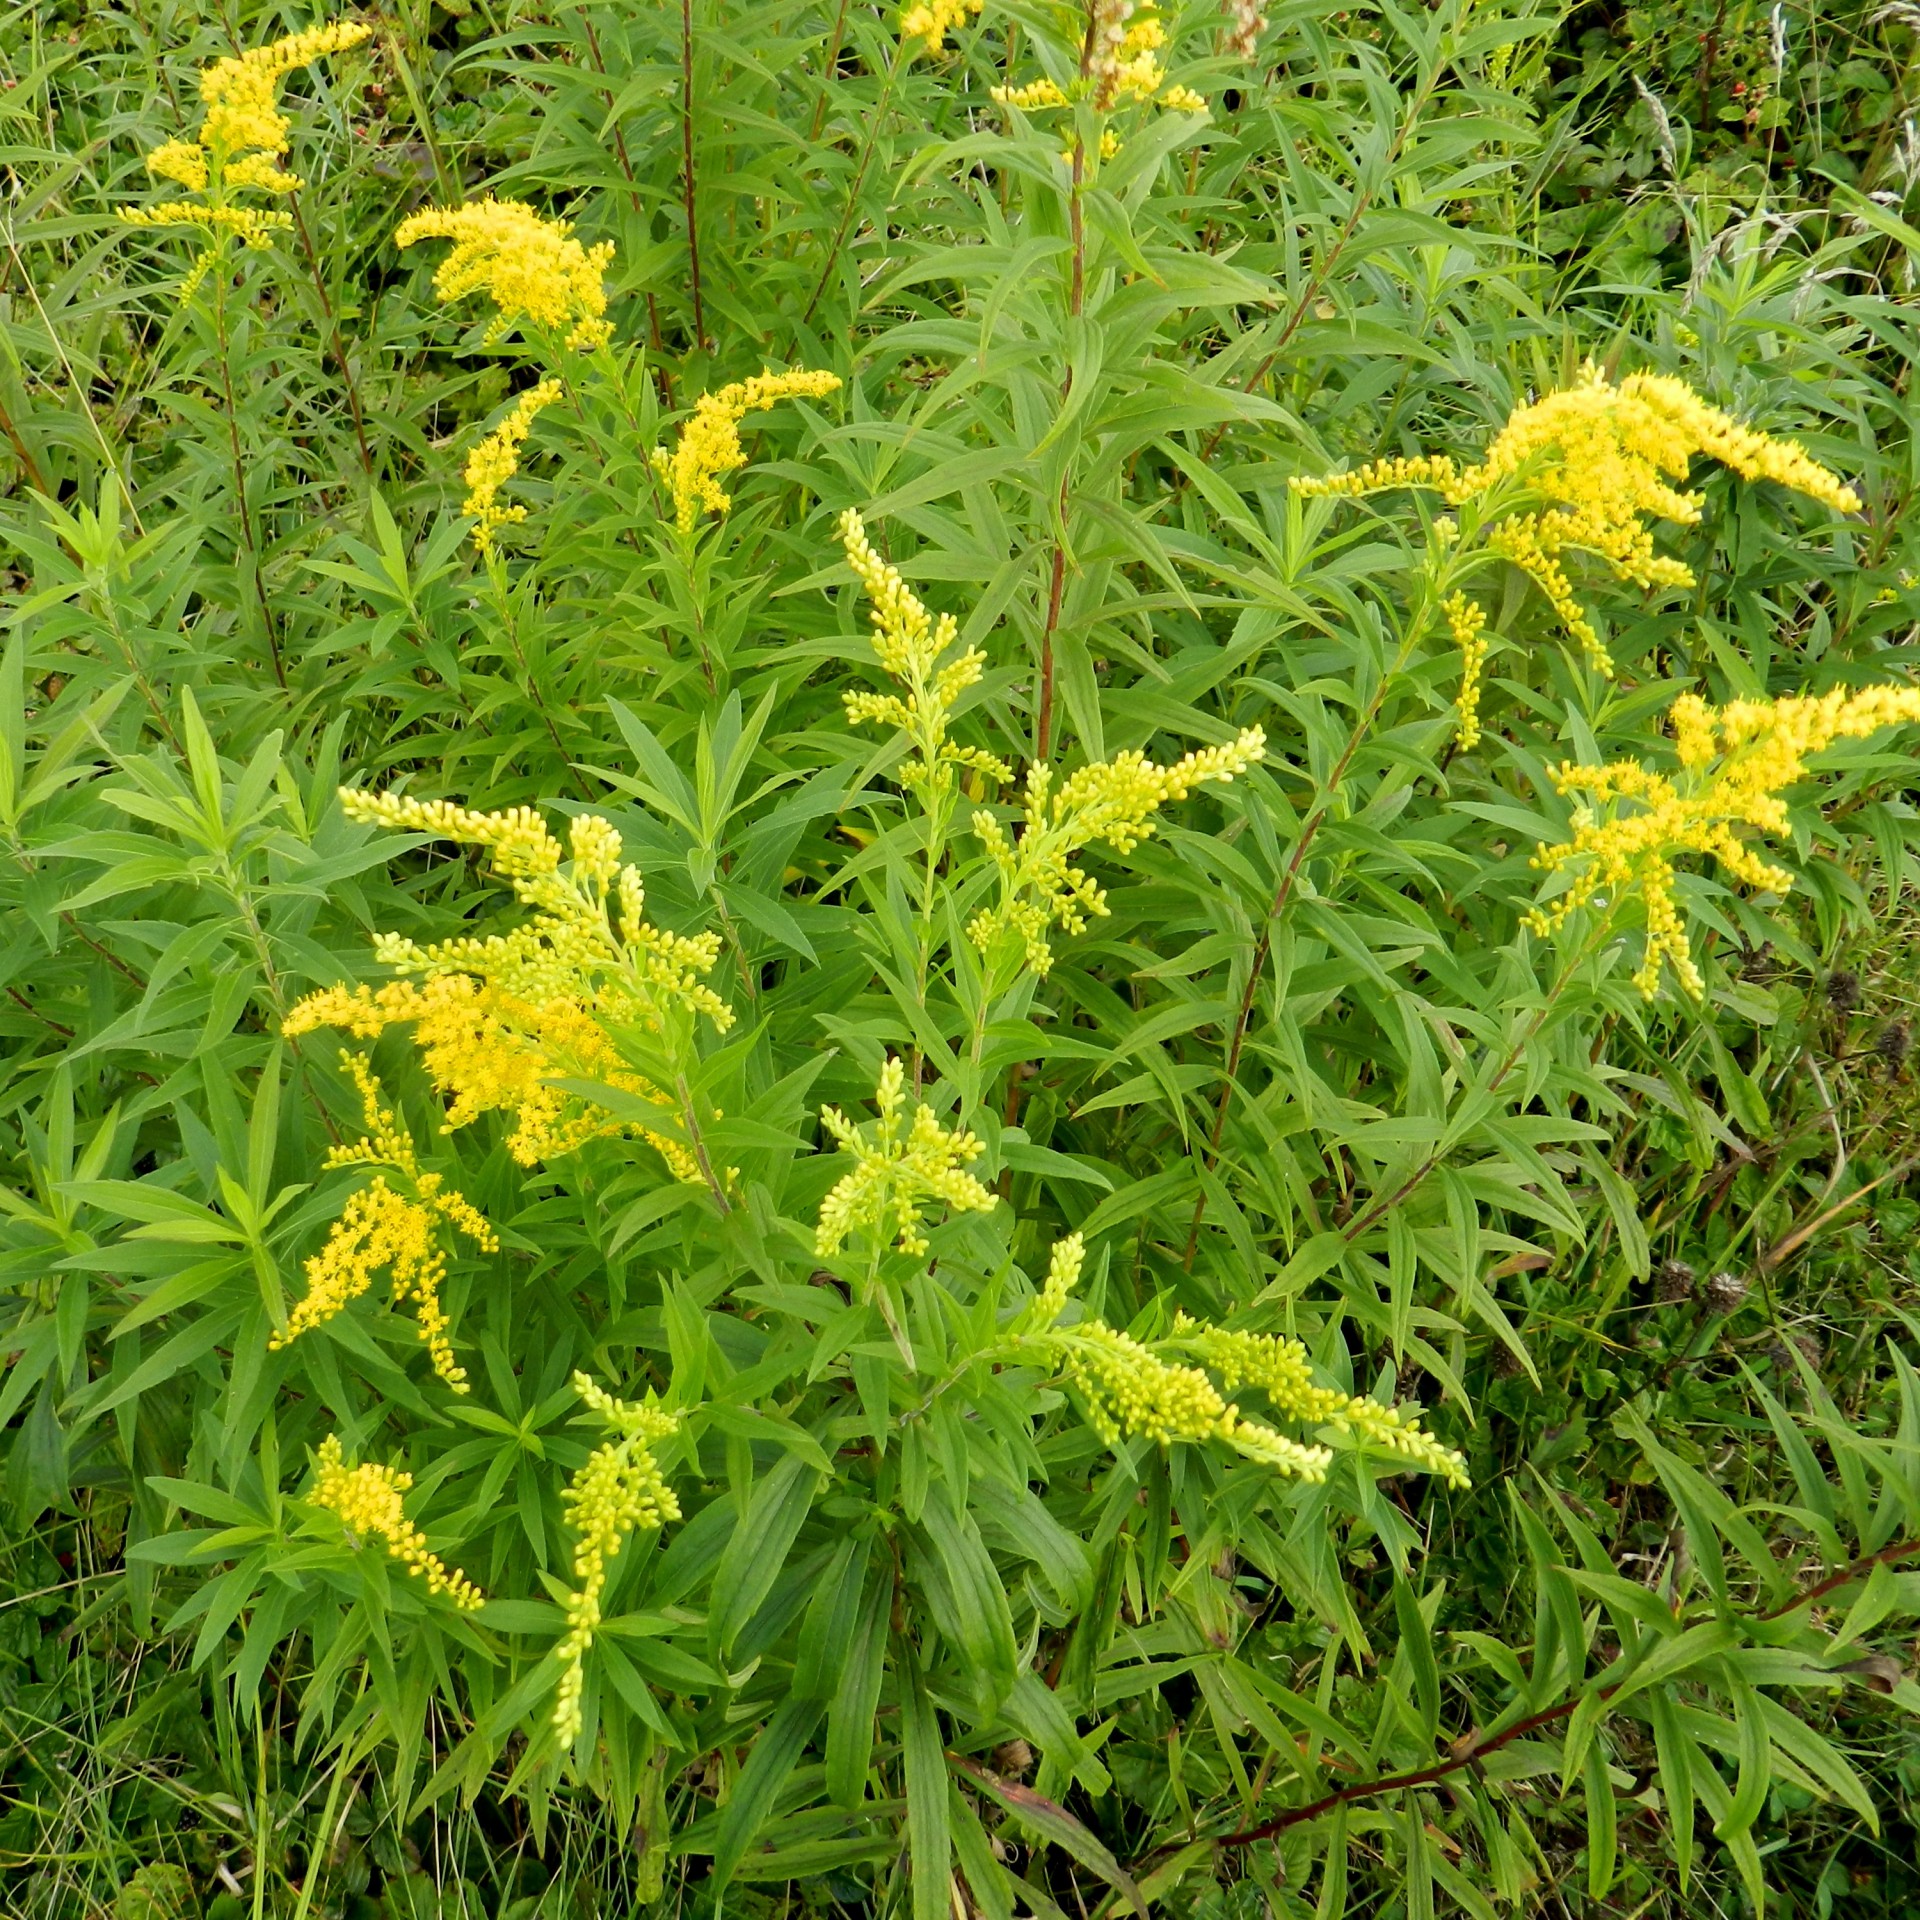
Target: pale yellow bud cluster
[(368, 1501), (238, 146), (896, 1172), (1467, 621), (1130, 1388), (1278, 1368), (908, 642), (620, 1490), (1605, 459), (499, 1020), (496, 459), (382, 1228), (930, 21), (1736, 764), (530, 267), (1111, 801), (1035, 97), (709, 443)]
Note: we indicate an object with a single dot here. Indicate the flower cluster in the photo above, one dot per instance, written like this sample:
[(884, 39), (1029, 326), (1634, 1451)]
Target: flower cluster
[(1112, 801), (238, 146), (1129, 1388), (1605, 460), (896, 1172), (1736, 762), (710, 442), (1120, 62), (620, 1490), (498, 1020), (496, 459), (530, 267), (1248, 24), (1467, 621), (380, 1227), (930, 21), (367, 1500), (908, 642)]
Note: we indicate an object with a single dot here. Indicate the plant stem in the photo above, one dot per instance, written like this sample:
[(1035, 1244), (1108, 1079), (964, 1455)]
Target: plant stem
[(686, 171), (240, 470)]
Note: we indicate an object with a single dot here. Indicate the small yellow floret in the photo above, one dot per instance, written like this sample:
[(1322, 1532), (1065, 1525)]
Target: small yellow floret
[(367, 1500), (1467, 620), (530, 267), (896, 1173), (709, 443), (496, 459)]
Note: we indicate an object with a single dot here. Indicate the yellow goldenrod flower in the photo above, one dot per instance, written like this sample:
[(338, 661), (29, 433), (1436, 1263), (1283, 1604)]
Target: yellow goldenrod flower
[(619, 1491), (381, 1228), (238, 147), (1127, 1386), (530, 267), (1736, 763), (908, 643), (1035, 97), (1467, 620), (1177, 99), (895, 1174), (496, 459), (498, 1020), (242, 93), (1604, 458), (1112, 801), (932, 20), (710, 442), (367, 1500)]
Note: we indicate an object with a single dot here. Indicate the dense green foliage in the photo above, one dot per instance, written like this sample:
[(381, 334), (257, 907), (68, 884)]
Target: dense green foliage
[(921, 1640)]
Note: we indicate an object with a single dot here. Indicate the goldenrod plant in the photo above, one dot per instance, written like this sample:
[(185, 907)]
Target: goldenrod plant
[(948, 968)]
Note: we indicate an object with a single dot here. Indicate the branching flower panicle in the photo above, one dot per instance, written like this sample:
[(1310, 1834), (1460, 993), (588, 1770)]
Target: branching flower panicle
[(897, 1171), (238, 147), (380, 1227), (1112, 801), (498, 1020), (909, 643), (1121, 62), (1606, 459), (1736, 762), (368, 1501), (530, 267), (1131, 1388), (709, 444), (620, 1490), (496, 459)]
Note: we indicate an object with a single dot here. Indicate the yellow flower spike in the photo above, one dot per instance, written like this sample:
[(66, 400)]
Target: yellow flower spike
[(530, 267), (496, 459), (368, 1501), (1606, 460), (619, 1491), (1467, 620), (908, 642), (380, 1227), (896, 1173), (1035, 97), (498, 1020), (1111, 801), (1736, 763), (242, 92), (709, 444), (930, 21)]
